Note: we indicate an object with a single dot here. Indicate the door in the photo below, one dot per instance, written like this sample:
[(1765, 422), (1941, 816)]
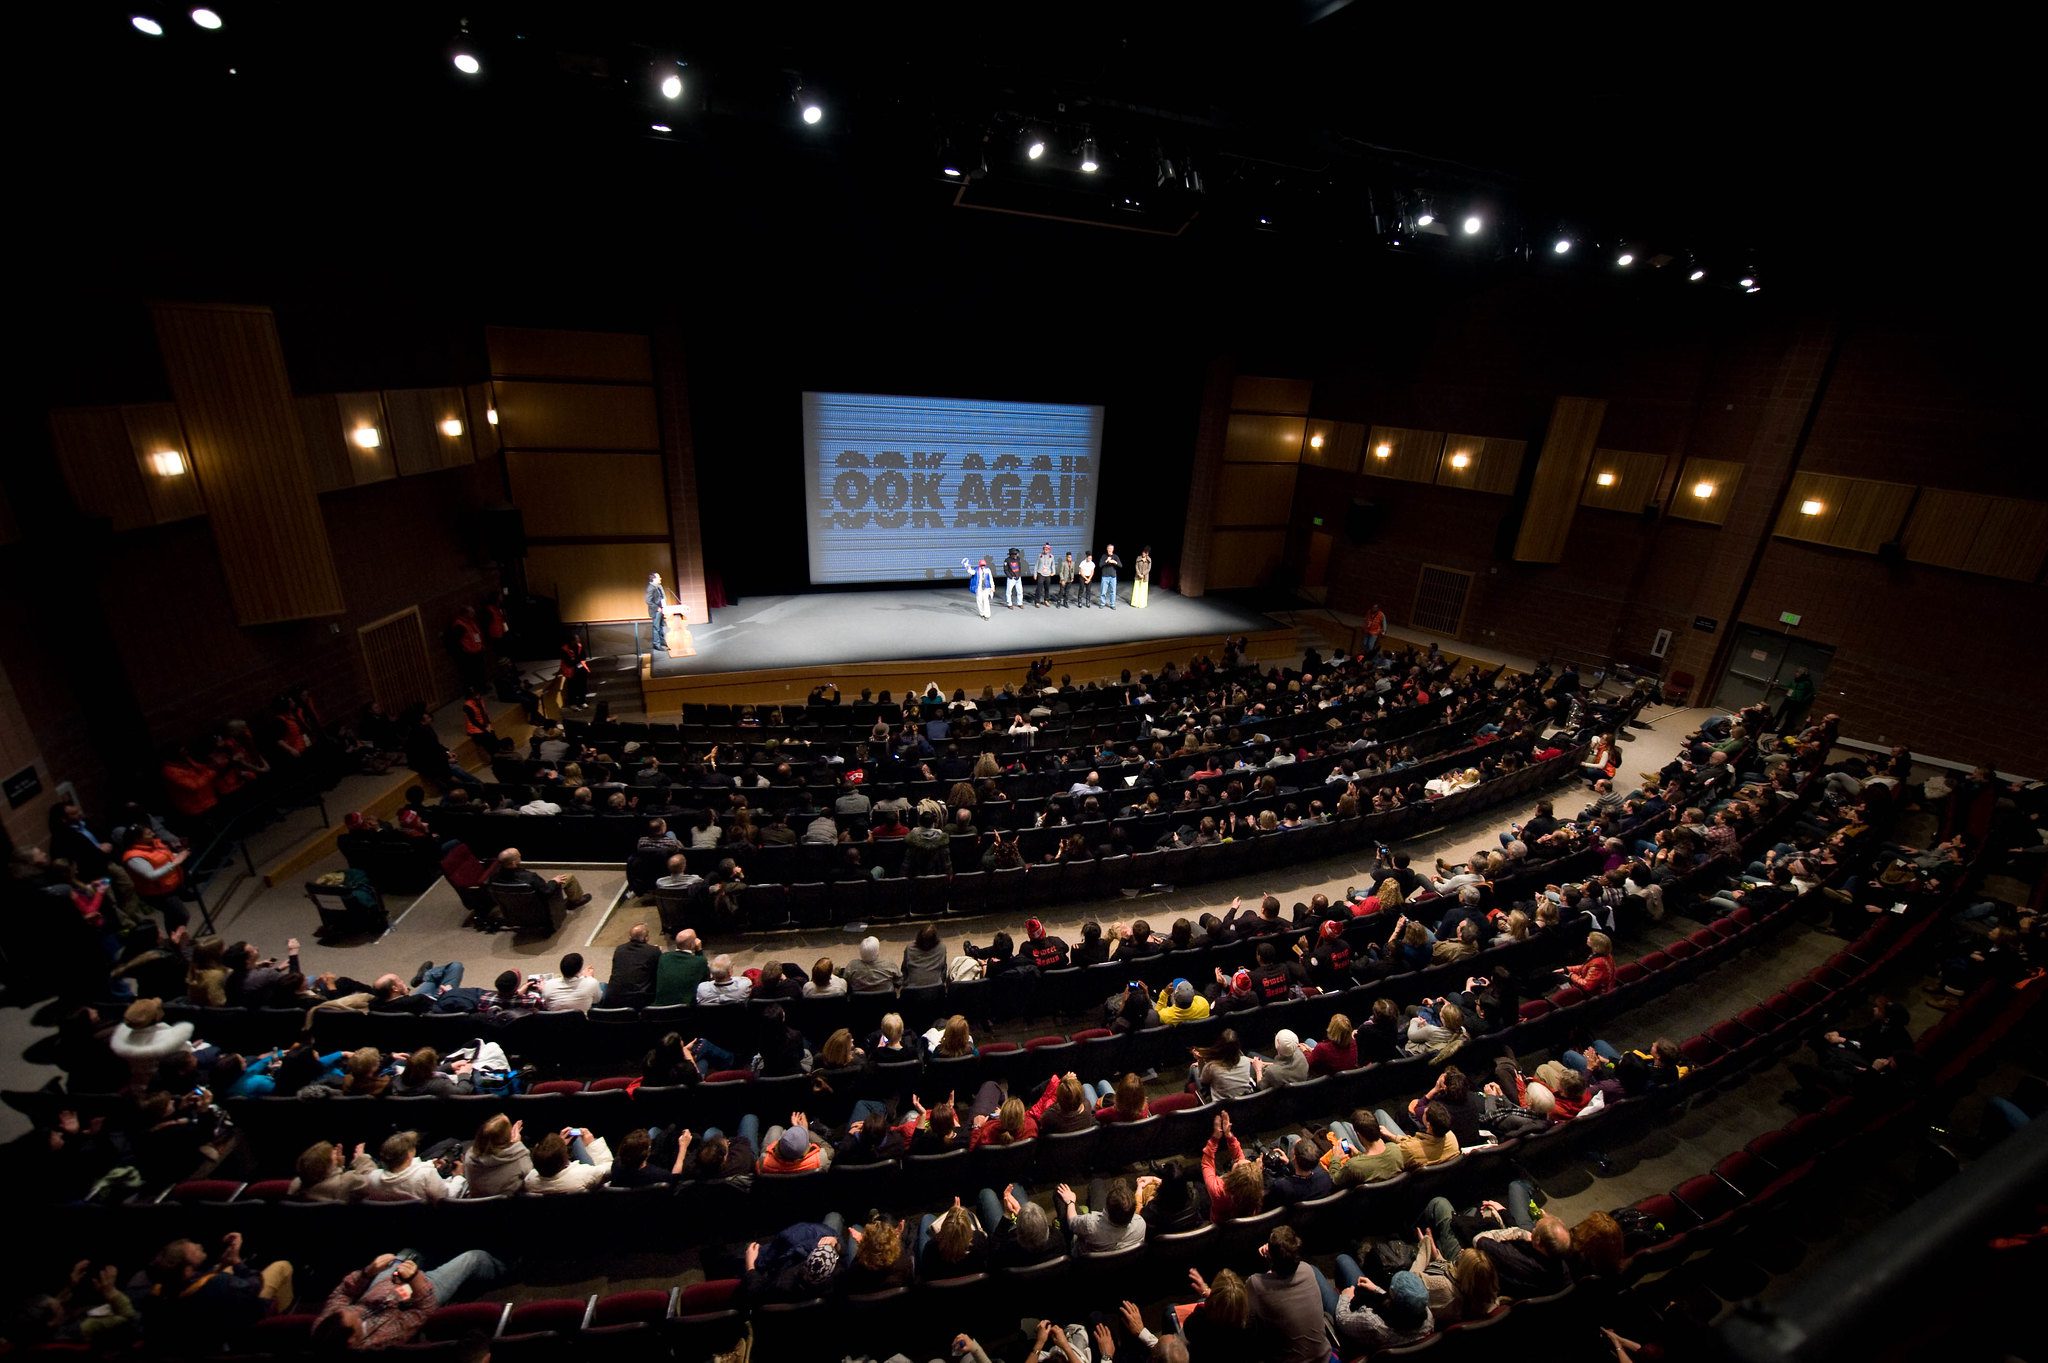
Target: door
[(1761, 663), (1315, 578), (395, 660)]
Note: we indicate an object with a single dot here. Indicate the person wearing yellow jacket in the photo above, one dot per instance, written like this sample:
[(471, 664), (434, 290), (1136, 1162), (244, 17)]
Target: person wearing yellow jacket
[(1179, 1003)]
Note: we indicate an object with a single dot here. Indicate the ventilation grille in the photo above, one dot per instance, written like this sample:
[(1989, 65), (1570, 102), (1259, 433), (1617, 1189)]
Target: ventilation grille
[(1440, 600), (395, 660)]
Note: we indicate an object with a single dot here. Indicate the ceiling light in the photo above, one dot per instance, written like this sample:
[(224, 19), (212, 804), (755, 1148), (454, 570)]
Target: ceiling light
[(451, 428), (1424, 218), (1702, 490), (491, 415), (1605, 480), (1461, 460), (1747, 282), (1036, 149), (1383, 452), (1563, 245), (1315, 442), (467, 64), (1625, 258), (661, 127), (1088, 162), (1697, 275), (1472, 225), (813, 111), (205, 18), (1754, 288), (672, 86), (1810, 507), (144, 24), (951, 172), (167, 463), (366, 438)]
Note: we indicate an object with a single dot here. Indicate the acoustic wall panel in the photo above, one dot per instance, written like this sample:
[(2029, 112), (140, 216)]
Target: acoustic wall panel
[(598, 581), (1251, 393), (594, 495), (576, 416), (153, 432), (1397, 452), (1481, 463), (1705, 490), (1252, 438), (1633, 480), (546, 353), (1975, 533), (1256, 494), (1843, 513), (98, 459), (1560, 472)]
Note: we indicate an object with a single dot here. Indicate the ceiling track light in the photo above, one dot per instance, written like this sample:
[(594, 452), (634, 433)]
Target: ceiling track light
[(144, 24), (1034, 147), (1625, 259), (206, 18), (808, 106), (1090, 162), (464, 53), (1473, 222), (671, 83)]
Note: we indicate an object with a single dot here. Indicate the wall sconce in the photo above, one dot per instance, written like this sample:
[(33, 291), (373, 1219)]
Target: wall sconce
[(1702, 490), (491, 415), (367, 438), (167, 463), (1315, 442), (1605, 480), (1461, 460), (452, 428), (1383, 452), (1810, 507)]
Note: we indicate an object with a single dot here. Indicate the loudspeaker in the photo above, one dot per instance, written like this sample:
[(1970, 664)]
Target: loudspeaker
[(1891, 553), (1362, 520), (503, 532)]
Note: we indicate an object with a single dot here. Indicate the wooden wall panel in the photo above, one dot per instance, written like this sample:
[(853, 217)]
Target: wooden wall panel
[(483, 431), (1250, 393), (1855, 513), (1976, 533), (1256, 494), (598, 581), (327, 450), (597, 495), (1493, 464), (227, 374), (1204, 474), (1637, 478), (29, 825), (1410, 455), (358, 410), (1560, 473), (576, 416), (154, 427), (1251, 438), (395, 660), (545, 353), (415, 445), (1245, 558), (98, 460), (1343, 445), (1721, 475)]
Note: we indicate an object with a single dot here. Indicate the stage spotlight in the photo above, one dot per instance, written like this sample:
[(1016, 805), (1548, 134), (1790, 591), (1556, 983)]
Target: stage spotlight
[(144, 24), (1472, 225), (1748, 282), (1754, 288), (1564, 244), (1697, 275), (672, 86), (1036, 149), (452, 427), (1089, 163), (1424, 218), (205, 18), (660, 127), (1625, 259), (467, 64), (950, 172)]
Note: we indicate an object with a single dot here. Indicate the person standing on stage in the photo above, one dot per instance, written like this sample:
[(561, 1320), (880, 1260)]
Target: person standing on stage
[(1048, 573), (1086, 572), (575, 670), (1375, 626), (1141, 574), (1013, 579), (1066, 576), (1108, 566), (984, 583), (657, 611)]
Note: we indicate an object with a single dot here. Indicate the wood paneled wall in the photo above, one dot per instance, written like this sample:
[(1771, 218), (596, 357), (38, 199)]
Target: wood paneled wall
[(1853, 513), (1343, 445), (1638, 479), (1560, 474), (1264, 439), (1258, 393), (1263, 448), (597, 581), (1722, 475), (105, 455), (1245, 558), (1205, 475), (549, 353), (227, 374), (153, 427), (1995, 536), (1492, 463), (1410, 455), (566, 496), (18, 749), (1256, 494)]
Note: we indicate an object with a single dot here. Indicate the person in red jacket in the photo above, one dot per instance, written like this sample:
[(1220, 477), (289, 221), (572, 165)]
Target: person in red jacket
[(1240, 1190), (1596, 976)]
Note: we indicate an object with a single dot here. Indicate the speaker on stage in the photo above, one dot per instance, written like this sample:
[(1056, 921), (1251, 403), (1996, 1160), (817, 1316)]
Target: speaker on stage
[(1362, 520), (503, 533)]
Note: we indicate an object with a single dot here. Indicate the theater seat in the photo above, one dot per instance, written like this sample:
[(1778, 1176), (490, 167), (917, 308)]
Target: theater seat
[(547, 1086)]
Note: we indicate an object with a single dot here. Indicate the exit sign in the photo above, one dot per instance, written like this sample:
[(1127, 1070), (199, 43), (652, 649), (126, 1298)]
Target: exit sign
[(1787, 618), (1317, 519)]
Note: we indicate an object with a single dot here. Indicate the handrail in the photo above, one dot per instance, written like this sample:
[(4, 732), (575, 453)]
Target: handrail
[(237, 830)]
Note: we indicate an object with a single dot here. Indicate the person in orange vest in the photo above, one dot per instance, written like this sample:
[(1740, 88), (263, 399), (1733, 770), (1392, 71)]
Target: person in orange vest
[(575, 672), (190, 784), (476, 721), (496, 627), (1375, 626), (466, 645), (158, 873)]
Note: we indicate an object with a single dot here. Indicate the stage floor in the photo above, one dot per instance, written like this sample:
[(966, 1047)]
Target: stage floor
[(827, 628)]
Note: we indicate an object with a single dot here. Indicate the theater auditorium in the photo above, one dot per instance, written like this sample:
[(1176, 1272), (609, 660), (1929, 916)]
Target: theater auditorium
[(1251, 684)]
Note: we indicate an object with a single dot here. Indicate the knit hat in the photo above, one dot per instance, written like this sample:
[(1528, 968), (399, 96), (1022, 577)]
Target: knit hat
[(1241, 982), (1183, 994), (823, 1262), (795, 1143), (1407, 1300), (1332, 929), (1033, 929), (1286, 1044)]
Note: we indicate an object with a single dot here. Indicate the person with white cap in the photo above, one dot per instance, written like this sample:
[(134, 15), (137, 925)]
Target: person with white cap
[(984, 584)]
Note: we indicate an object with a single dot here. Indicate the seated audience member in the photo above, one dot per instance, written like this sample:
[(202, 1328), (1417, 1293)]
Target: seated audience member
[(798, 1262), (497, 1161), (1179, 1003), (1064, 1106), (1220, 1325), (952, 1244), (1123, 1101), (574, 990), (1287, 1301), (564, 889), (388, 1301), (1361, 1153), (1288, 1065), (636, 964), (721, 986), (679, 972), (869, 974), (824, 983), (401, 1176), (884, 1256), (1240, 1189), (1305, 1179), (568, 1161), (193, 1305), (1596, 976), (424, 1076), (924, 960), (1373, 1318), (794, 1149), (1222, 1070), (1113, 1224), (1461, 1288), (326, 1174)]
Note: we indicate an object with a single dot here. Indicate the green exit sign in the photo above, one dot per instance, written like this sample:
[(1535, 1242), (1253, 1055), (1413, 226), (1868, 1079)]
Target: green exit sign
[(1318, 520), (1788, 618)]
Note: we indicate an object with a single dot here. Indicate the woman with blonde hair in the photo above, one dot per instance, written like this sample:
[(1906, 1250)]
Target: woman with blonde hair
[(1011, 1124), (497, 1160), (1464, 1287), (955, 1040), (363, 1074)]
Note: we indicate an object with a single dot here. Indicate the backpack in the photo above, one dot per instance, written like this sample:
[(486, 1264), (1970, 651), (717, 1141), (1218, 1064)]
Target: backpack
[(1639, 1230)]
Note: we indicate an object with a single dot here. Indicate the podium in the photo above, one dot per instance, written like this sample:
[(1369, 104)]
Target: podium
[(679, 643)]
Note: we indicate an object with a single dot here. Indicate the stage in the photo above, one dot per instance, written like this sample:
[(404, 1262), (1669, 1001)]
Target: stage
[(777, 648)]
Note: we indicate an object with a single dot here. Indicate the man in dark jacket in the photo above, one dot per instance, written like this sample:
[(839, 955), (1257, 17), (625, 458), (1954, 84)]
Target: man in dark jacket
[(928, 849), (796, 1263), (634, 964)]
